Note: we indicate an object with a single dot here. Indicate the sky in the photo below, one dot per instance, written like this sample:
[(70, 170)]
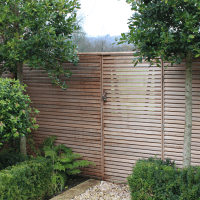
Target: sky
[(102, 17)]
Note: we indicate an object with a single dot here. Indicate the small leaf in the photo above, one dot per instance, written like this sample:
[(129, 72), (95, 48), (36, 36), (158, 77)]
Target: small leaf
[(191, 36)]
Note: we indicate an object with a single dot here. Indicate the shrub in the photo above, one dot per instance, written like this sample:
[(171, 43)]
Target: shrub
[(157, 179), (26, 180), (190, 183), (10, 158), (16, 115), (64, 162)]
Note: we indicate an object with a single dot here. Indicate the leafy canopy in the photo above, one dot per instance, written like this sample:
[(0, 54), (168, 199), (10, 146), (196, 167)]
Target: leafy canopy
[(167, 28), (38, 32)]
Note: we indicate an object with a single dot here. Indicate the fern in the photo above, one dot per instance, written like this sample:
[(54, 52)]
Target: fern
[(49, 141), (81, 163), (58, 181), (32, 146), (64, 161), (73, 171), (68, 166), (59, 166)]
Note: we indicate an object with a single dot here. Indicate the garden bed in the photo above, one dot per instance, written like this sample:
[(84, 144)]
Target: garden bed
[(70, 183)]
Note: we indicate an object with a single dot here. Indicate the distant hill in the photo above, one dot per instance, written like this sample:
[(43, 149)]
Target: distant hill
[(105, 43)]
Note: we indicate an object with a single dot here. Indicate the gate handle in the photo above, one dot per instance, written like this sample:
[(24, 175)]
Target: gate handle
[(105, 96)]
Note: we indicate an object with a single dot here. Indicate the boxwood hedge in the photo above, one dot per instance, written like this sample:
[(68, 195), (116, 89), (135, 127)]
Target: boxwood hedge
[(26, 180), (156, 179)]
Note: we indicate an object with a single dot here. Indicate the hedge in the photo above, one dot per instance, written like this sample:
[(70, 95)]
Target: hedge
[(155, 179), (26, 180), (11, 158)]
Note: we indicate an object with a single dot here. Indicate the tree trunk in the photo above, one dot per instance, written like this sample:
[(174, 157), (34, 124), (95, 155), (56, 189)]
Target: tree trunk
[(188, 112), (20, 72), (23, 138), (20, 78), (23, 145)]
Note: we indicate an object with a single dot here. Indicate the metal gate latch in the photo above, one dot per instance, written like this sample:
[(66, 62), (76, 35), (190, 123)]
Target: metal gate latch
[(105, 96)]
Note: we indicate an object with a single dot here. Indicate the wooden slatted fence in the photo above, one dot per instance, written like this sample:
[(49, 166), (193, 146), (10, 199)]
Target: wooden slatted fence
[(174, 112), (132, 114), (74, 115), (142, 117)]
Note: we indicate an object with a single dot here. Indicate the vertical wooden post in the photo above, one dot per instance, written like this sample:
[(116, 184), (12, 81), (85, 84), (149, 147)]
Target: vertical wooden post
[(162, 110), (102, 119)]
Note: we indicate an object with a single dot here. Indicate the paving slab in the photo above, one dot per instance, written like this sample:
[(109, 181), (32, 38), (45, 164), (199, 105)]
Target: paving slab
[(77, 190)]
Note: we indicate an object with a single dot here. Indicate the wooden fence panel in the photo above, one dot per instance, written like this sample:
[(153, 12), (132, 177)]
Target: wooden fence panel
[(7, 74), (144, 114), (174, 112), (74, 115), (132, 114), (195, 145)]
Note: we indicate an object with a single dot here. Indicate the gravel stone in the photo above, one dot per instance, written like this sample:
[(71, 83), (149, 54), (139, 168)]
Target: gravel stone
[(106, 191)]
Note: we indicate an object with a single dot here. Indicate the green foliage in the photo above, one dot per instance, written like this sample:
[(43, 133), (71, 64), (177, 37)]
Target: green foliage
[(167, 28), (40, 151), (64, 162), (38, 32), (189, 183), (157, 179), (16, 116), (26, 180), (49, 142), (32, 145), (10, 158)]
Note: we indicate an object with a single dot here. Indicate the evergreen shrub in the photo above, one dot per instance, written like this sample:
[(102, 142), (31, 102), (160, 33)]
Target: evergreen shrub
[(17, 118), (27, 180), (11, 158), (156, 179)]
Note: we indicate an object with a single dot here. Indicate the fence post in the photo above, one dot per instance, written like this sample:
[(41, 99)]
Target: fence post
[(162, 110), (102, 118)]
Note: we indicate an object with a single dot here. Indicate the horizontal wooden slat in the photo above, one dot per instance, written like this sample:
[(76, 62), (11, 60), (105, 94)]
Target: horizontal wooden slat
[(128, 73), (142, 130)]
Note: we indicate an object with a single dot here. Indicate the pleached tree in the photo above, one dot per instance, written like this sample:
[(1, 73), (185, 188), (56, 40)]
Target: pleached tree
[(169, 29), (37, 33)]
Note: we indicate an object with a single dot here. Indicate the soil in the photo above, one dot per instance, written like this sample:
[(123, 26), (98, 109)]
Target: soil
[(71, 182)]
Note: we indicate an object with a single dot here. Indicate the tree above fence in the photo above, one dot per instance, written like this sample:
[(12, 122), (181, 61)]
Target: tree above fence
[(37, 32), (170, 29)]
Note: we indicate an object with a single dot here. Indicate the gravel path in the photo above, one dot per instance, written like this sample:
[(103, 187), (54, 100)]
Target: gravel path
[(106, 191)]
